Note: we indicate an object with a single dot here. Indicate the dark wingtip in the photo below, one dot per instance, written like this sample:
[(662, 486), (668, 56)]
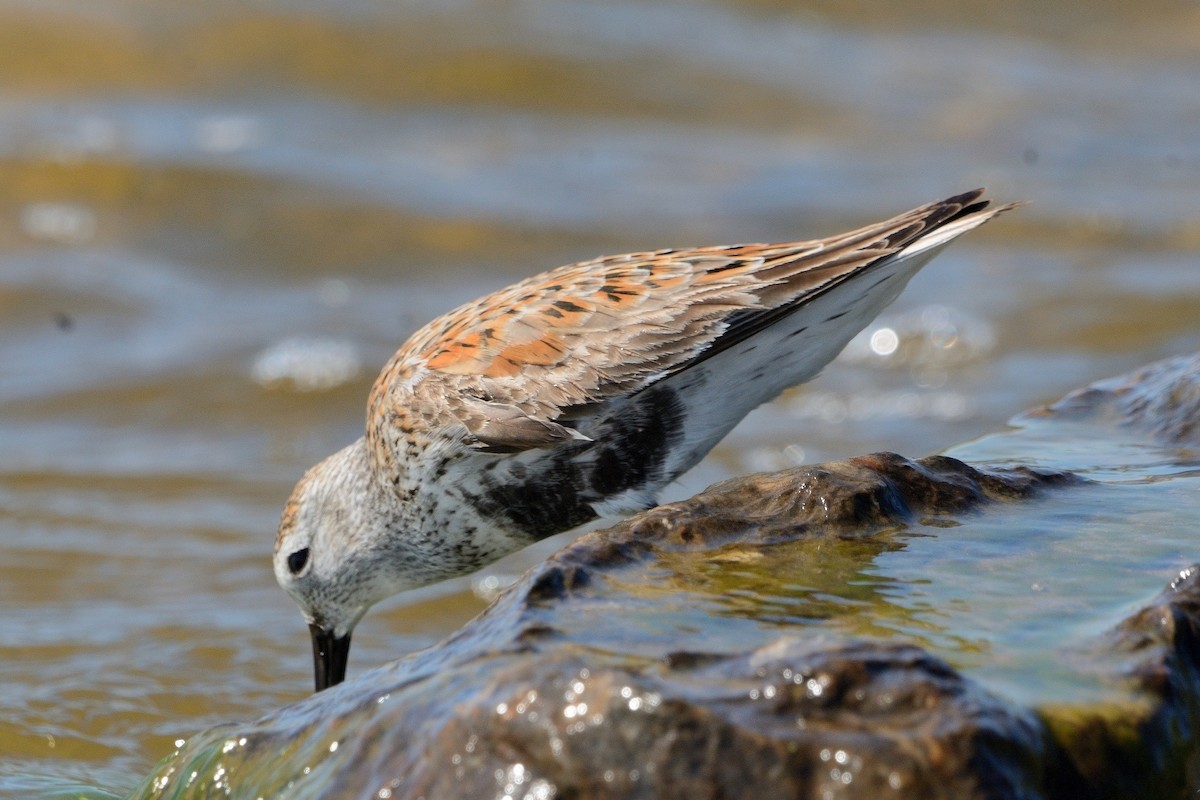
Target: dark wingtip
[(968, 198), (965, 204), (969, 203), (973, 202)]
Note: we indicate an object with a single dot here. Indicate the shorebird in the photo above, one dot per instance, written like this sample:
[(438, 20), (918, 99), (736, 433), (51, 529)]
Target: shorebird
[(576, 393)]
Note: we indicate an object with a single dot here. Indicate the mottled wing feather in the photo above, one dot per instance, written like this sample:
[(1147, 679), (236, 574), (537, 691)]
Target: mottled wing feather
[(599, 329), (504, 428)]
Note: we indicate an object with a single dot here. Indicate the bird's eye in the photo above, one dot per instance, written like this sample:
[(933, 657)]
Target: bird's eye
[(297, 561)]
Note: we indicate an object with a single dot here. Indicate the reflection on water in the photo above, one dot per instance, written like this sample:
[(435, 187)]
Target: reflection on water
[(187, 192)]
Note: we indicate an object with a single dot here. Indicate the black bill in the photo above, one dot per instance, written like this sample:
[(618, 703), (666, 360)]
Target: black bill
[(330, 655)]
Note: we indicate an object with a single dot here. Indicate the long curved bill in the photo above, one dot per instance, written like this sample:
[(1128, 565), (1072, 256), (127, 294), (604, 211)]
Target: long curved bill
[(330, 655)]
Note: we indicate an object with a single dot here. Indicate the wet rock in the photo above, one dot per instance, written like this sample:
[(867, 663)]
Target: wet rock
[(791, 719), (1148, 746), (533, 716), (1162, 398), (855, 497)]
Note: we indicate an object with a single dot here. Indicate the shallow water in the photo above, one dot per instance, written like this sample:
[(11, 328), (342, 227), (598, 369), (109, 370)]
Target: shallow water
[(217, 221)]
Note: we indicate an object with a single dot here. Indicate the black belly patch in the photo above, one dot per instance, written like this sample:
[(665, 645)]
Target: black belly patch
[(556, 492), (633, 443), (543, 501)]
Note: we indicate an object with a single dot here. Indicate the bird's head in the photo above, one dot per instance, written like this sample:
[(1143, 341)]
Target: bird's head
[(332, 555)]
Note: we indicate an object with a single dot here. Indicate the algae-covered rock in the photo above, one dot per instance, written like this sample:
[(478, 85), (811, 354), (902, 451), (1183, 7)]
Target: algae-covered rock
[(1148, 745)]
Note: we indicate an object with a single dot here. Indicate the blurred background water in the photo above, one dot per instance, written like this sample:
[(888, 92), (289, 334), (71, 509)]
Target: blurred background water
[(217, 221)]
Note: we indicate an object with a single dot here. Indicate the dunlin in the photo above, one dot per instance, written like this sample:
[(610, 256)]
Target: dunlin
[(573, 394)]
